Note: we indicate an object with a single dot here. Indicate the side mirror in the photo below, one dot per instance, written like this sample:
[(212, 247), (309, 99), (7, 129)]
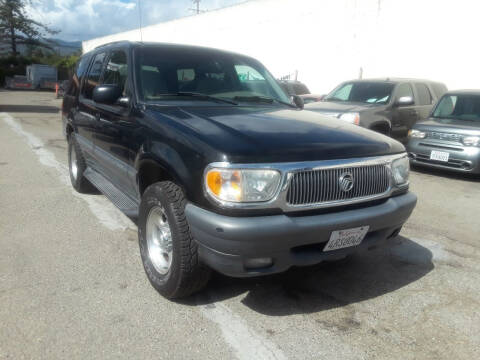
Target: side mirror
[(298, 101), (106, 94), (404, 101)]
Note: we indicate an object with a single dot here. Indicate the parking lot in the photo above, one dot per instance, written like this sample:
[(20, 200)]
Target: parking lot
[(72, 283)]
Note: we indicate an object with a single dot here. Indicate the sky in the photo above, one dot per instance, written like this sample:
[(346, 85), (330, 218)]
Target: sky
[(87, 19)]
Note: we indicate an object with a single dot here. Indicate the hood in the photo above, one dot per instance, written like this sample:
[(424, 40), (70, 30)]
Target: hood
[(268, 134), (449, 125), (337, 107)]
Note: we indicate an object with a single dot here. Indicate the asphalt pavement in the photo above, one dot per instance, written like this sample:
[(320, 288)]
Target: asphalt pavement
[(72, 285)]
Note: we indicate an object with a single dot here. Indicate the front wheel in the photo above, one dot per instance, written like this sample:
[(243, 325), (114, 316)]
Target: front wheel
[(169, 252)]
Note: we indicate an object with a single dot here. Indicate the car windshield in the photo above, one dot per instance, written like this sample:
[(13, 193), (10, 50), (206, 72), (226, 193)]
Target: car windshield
[(362, 92), (173, 73), (459, 107)]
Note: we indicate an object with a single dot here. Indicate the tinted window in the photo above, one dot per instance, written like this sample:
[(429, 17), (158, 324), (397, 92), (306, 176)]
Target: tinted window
[(461, 107), (116, 70), (404, 90), (365, 92), (163, 73), (93, 77), (424, 97), (80, 70)]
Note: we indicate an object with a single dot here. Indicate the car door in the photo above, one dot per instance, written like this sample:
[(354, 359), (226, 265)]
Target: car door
[(403, 116), (114, 125), (85, 119), (425, 100)]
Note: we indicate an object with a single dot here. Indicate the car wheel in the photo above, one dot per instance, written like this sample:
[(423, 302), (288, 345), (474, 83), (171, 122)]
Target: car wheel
[(169, 252), (77, 166)]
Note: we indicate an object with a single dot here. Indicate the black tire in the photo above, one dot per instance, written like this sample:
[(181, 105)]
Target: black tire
[(186, 274), (79, 182)]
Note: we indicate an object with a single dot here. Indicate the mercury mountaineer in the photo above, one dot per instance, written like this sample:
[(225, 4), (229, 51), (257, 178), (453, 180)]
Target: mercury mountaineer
[(221, 169)]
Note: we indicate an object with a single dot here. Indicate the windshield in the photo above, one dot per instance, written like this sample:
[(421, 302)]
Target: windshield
[(165, 74), (363, 92), (460, 107)]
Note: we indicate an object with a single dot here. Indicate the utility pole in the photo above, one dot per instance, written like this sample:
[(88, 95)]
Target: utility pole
[(197, 7)]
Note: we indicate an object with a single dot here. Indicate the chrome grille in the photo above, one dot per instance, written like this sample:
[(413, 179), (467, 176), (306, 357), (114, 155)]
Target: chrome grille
[(323, 185), (444, 136)]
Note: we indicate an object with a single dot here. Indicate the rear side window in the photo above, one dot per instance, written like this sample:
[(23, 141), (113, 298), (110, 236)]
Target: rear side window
[(93, 77), (404, 90), (80, 70), (424, 96), (439, 89), (116, 70)]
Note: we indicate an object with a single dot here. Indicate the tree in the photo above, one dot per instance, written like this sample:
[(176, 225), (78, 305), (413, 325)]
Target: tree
[(17, 28)]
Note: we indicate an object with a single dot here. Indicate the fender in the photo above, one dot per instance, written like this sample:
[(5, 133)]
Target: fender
[(166, 158)]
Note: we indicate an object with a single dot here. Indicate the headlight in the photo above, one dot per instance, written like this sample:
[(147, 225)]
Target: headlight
[(401, 170), (242, 185), (417, 134), (352, 118), (471, 140)]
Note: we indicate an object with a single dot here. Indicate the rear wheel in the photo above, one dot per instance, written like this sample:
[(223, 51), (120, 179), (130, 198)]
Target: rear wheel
[(77, 166), (169, 252)]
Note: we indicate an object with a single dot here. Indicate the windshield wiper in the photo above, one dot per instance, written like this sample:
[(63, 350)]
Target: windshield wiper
[(201, 96), (264, 99)]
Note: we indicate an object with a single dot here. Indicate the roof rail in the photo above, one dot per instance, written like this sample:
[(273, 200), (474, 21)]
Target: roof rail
[(111, 43)]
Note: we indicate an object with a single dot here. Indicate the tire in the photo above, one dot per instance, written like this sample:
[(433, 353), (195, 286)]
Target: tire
[(77, 166), (174, 270)]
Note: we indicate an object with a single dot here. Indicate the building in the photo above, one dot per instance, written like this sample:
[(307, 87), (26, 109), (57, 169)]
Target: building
[(329, 41)]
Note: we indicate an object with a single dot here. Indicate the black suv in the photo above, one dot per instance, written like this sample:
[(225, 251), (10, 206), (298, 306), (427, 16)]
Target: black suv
[(220, 170), (389, 106)]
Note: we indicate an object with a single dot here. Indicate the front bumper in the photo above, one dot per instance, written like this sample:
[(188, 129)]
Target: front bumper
[(225, 243), (465, 159)]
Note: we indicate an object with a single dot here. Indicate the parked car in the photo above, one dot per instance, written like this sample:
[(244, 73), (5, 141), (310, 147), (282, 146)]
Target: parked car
[(221, 170), (309, 98), (450, 138), (389, 106), (294, 87)]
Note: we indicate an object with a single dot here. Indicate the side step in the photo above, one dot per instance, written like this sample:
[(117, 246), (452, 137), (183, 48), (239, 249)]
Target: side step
[(126, 204)]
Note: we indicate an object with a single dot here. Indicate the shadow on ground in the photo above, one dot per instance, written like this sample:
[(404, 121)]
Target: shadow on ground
[(29, 109), (366, 275)]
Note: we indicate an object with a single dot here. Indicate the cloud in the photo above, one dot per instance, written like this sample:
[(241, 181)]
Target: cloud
[(87, 19)]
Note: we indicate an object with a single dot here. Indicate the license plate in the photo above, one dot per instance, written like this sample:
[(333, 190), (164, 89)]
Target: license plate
[(345, 238), (439, 155)]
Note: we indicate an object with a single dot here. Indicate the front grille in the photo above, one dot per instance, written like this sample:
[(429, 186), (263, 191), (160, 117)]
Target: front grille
[(323, 185), (444, 136)]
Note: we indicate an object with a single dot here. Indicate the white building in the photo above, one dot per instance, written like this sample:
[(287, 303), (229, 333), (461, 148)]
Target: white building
[(329, 41)]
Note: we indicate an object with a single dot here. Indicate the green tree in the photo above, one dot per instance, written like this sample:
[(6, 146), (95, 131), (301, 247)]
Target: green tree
[(17, 28)]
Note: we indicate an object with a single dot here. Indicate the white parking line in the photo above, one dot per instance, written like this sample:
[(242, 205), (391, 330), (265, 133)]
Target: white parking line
[(246, 343), (107, 213)]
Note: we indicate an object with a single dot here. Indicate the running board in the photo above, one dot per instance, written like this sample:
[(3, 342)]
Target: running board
[(126, 204)]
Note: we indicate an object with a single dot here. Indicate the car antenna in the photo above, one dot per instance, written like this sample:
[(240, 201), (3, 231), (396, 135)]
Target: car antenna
[(140, 18)]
